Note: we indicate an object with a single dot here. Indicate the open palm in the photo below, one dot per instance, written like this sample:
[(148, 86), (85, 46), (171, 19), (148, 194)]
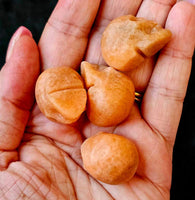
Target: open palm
[(40, 159)]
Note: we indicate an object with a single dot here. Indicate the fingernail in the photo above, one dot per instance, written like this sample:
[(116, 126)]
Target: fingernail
[(21, 31)]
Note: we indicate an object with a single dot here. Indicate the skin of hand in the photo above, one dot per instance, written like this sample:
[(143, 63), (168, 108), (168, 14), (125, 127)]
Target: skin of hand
[(40, 159)]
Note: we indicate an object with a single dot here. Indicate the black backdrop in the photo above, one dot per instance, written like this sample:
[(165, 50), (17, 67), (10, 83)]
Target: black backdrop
[(34, 13)]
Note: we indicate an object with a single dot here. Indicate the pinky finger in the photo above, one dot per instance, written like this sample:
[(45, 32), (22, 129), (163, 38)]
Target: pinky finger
[(163, 101)]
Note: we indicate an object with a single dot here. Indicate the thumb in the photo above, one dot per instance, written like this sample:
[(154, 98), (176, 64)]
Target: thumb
[(17, 81)]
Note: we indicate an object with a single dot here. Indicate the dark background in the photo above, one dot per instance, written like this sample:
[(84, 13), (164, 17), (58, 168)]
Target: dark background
[(34, 13)]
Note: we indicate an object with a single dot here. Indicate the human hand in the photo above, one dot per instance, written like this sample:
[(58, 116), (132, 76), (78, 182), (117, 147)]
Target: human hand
[(41, 159)]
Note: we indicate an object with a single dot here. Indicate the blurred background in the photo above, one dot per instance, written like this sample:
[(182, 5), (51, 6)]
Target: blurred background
[(34, 14)]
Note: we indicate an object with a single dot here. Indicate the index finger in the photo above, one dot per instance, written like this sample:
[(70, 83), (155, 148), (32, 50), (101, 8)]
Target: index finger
[(65, 35)]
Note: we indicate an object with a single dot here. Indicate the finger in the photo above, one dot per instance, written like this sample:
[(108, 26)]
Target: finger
[(141, 75), (156, 10), (163, 100), (65, 36), (109, 10), (17, 80)]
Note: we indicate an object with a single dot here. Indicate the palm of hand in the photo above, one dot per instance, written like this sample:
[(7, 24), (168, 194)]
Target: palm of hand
[(49, 164), (52, 168)]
